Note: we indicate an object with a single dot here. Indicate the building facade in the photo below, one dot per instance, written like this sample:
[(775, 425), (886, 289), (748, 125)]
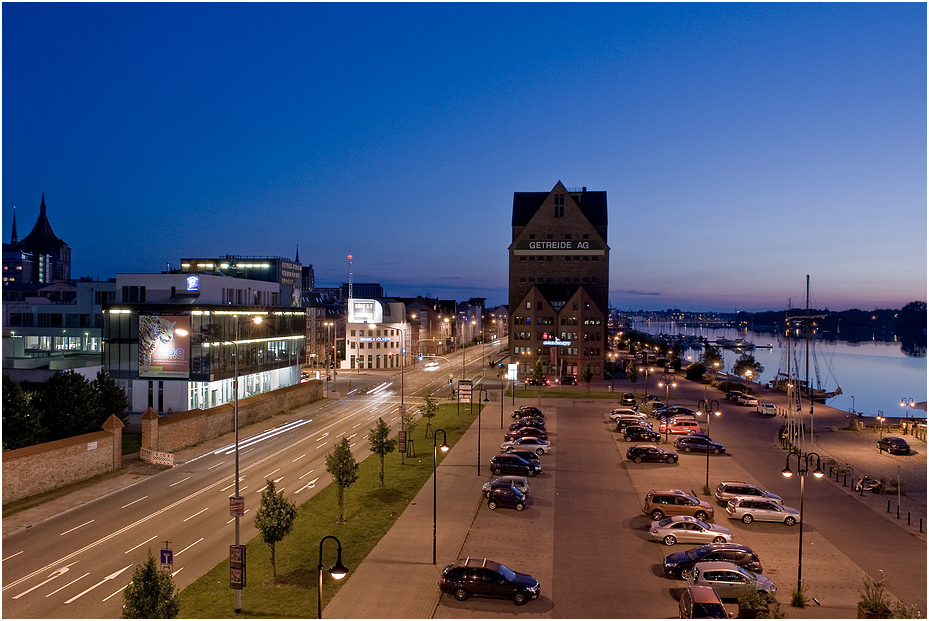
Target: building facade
[(559, 266), (287, 273), (377, 335), (40, 257)]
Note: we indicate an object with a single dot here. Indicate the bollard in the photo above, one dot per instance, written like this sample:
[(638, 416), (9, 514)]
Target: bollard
[(888, 505), (898, 512), (920, 525), (907, 518), (844, 480)]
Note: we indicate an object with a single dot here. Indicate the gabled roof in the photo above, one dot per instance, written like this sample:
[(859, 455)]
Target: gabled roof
[(42, 239), (592, 204)]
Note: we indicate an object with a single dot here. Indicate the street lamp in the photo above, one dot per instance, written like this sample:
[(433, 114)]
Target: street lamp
[(479, 408), (435, 458), (708, 407), (337, 571), (907, 402), (668, 382), (328, 325), (646, 371), (880, 417), (818, 473)]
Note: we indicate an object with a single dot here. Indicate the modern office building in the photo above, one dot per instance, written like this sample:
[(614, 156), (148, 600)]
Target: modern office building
[(286, 272), (377, 335), (177, 341), (559, 282)]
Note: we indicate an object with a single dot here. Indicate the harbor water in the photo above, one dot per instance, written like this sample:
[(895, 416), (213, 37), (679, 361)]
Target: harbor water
[(875, 376)]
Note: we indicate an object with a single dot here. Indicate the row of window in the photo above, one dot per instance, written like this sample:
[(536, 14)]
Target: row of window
[(562, 351), (566, 236), (567, 257), (574, 305), (55, 320), (567, 280), (377, 345)]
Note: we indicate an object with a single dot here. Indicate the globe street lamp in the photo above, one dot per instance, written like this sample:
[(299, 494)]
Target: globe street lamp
[(708, 407), (647, 372), (435, 457), (668, 382), (818, 473), (907, 402), (337, 571)]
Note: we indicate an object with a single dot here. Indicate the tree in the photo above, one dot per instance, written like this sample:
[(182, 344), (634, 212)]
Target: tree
[(381, 442), (274, 519), (151, 594), (111, 399), (428, 410), (710, 355), (341, 464), (587, 374), (537, 374), (68, 406), (747, 362), (632, 371), (21, 424)]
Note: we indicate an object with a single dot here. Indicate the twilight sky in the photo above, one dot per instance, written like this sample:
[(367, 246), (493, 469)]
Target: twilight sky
[(741, 146)]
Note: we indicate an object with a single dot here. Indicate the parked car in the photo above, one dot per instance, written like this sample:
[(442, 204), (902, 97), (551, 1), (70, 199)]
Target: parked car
[(528, 421), (528, 410), (527, 443), (659, 503), (687, 529), (727, 490), (652, 399), (733, 395), (893, 445), (520, 483), (751, 509), (700, 444), (673, 410), (640, 433), (624, 412), (745, 399), (728, 579), (506, 497), (569, 380), (679, 426), (627, 399), (768, 409), (627, 421), (649, 452), (679, 562), (526, 432), (513, 464), (529, 455), (701, 602), (534, 382), (483, 577), (868, 484)]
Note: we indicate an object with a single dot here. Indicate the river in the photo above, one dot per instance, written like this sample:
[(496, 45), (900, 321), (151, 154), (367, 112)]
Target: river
[(874, 375)]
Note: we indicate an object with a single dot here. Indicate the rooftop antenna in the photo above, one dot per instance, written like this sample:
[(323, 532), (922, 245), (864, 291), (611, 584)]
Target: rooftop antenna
[(349, 279)]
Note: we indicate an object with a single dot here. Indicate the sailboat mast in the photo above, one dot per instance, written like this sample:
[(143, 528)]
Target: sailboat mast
[(809, 386)]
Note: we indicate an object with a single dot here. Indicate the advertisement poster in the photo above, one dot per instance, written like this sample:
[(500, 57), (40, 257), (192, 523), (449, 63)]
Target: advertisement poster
[(164, 346)]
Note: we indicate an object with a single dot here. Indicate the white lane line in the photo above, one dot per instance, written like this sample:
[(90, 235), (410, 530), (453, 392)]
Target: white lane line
[(189, 547), (67, 585), (301, 457), (138, 546), (197, 513), (325, 435), (321, 445), (269, 474), (217, 465), (58, 572), (134, 501), (309, 485), (178, 482), (301, 476), (21, 551), (117, 592), (112, 576), (359, 423), (176, 571), (351, 436), (73, 529)]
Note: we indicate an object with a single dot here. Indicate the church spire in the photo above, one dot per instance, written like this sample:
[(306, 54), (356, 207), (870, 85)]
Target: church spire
[(15, 237), (296, 260), (42, 206)]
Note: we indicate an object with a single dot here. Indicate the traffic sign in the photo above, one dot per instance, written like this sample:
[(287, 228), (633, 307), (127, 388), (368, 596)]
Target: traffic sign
[(236, 505), (167, 560)]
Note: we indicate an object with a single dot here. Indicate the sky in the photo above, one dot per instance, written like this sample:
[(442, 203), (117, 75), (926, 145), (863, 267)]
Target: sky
[(742, 147)]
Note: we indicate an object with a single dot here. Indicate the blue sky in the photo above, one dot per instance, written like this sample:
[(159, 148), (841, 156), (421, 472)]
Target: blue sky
[(741, 146)]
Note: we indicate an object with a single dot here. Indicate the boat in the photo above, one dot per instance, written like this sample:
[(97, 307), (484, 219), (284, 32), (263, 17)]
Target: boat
[(738, 343)]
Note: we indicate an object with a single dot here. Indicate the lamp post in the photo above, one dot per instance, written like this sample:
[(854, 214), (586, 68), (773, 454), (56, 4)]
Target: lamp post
[(907, 402), (818, 473), (880, 417), (479, 408), (328, 325), (668, 382), (708, 407), (435, 459), (337, 571), (647, 372)]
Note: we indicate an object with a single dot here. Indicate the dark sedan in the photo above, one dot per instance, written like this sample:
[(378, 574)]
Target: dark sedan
[(514, 464), (743, 556), (647, 452), (484, 577), (893, 445), (528, 421), (527, 410), (698, 444), (640, 434), (526, 432)]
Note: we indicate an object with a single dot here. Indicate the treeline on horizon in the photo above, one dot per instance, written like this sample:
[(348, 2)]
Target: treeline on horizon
[(907, 321)]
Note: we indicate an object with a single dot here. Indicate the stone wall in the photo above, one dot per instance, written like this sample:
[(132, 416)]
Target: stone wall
[(179, 430), (35, 469)]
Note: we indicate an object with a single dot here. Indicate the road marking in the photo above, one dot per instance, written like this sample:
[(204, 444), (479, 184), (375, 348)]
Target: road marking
[(73, 529), (321, 446), (112, 576), (189, 547), (21, 551), (134, 501), (301, 476), (138, 546), (181, 481), (325, 435), (310, 485), (216, 465), (117, 592), (54, 574), (67, 585), (358, 424), (269, 474), (197, 513), (301, 457), (176, 571)]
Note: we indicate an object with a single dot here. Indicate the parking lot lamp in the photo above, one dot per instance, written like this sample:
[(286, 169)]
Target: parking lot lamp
[(880, 417), (668, 382), (435, 458), (712, 409), (907, 402), (647, 372), (818, 473), (337, 571)]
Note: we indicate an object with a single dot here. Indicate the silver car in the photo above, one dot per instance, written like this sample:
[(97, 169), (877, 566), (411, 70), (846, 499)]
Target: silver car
[(733, 489), (727, 578), (624, 412), (687, 529), (751, 509), (527, 443), (520, 483)]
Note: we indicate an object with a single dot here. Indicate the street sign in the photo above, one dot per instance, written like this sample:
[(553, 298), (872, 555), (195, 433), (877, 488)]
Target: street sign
[(167, 560), (236, 505), (236, 567), (464, 389), (512, 371), (401, 442)]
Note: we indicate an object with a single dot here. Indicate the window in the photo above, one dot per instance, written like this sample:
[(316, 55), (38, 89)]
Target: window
[(559, 205), (528, 305)]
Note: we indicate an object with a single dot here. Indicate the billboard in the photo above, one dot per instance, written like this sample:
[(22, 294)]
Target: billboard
[(365, 311), (164, 346)]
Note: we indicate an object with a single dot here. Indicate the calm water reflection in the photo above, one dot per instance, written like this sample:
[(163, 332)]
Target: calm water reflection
[(874, 375)]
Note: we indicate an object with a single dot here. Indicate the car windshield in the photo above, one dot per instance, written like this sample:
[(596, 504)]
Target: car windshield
[(704, 525), (507, 573), (709, 611)]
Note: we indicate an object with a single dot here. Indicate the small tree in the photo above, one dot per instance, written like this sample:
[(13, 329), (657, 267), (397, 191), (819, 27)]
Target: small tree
[(428, 410), (537, 374), (111, 399), (151, 594), (381, 442), (68, 406), (341, 464), (587, 374), (21, 424), (632, 372), (710, 355), (274, 519), (747, 362)]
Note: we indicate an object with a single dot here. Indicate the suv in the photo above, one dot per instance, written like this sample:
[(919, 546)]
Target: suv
[(527, 410), (569, 380), (512, 464), (699, 443), (743, 556), (701, 602), (640, 433), (520, 483), (893, 445), (733, 489), (627, 399), (472, 576), (659, 503), (683, 425)]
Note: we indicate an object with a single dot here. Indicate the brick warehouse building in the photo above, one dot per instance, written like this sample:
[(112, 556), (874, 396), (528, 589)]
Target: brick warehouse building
[(559, 282)]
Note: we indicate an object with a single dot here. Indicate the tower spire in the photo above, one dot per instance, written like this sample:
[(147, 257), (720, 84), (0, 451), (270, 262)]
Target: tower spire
[(297, 258), (42, 206), (15, 237)]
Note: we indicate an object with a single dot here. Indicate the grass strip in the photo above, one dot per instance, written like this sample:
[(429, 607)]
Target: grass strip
[(370, 511)]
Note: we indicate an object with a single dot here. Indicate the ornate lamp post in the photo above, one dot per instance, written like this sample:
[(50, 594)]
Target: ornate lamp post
[(712, 409), (818, 473), (907, 403), (435, 458), (337, 571), (647, 372), (668, 382)]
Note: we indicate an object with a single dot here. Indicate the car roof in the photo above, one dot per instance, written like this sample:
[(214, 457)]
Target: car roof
[(739, 483), (705, 565), (703, 594)]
